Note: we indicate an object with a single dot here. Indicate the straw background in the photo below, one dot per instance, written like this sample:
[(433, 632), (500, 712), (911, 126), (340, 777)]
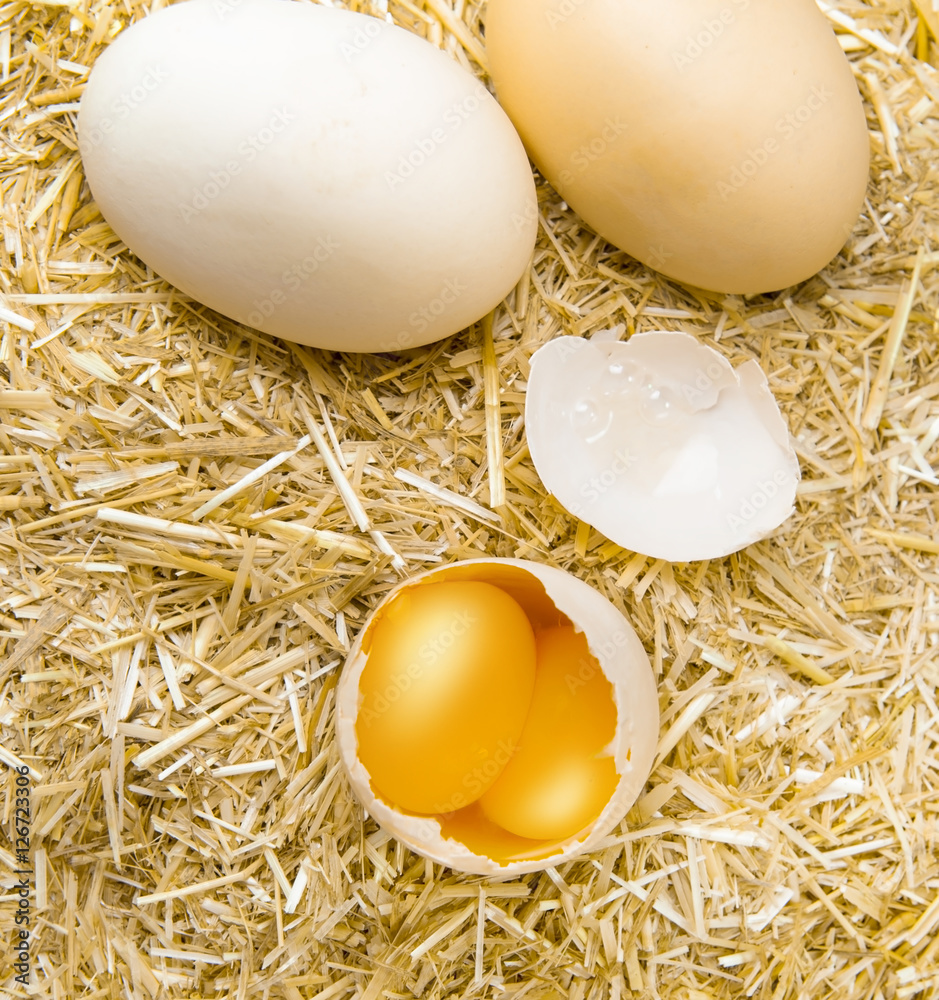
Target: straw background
[(786, 844)]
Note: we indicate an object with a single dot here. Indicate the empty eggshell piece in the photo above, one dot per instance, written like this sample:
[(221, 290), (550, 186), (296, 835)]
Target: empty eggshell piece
[(466, 839), (315, 173), (660, 443)]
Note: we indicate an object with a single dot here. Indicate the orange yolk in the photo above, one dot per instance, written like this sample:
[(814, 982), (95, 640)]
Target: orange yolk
[(444, 694), (562, 775)]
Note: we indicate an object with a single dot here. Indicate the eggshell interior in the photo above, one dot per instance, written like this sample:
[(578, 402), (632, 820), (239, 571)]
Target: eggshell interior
[(465, 840), (660, 443)]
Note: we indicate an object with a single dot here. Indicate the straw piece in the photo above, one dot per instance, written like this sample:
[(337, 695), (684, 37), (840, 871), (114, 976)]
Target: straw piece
[(94, 298), (195, 729), (348, 494), (919, 543), (785, 652), (446, 496), (493, 417), (451, 22), (22, 322), (875, 38), (252, 477), (457, 920), (878, 396), (189, 890), (162, 526)]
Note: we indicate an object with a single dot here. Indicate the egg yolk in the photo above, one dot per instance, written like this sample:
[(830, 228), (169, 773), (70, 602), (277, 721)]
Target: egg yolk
[(562, 775), (444, 694)]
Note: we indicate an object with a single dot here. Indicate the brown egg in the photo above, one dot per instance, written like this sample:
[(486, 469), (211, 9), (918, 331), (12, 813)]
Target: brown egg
[(722, 142)]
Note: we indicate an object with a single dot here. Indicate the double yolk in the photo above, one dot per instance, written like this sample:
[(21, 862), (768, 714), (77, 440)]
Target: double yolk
[(464, 706)]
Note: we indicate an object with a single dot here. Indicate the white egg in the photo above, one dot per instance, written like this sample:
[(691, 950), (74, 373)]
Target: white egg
[(660, 443), (315, 173), (465, 840)]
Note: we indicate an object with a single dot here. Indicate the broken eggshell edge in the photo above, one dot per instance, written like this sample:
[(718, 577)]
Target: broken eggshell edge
[(624, 662), (654, 518)]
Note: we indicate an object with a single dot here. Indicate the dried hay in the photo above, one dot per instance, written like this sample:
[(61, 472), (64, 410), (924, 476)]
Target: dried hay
[(196, 517)]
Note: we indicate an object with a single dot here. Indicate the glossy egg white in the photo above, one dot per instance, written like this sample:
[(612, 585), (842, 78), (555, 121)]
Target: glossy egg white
[(318, 174), (543, 592)]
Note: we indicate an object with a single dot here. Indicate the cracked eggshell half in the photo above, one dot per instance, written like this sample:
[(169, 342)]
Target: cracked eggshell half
[(465, 839), (659, 443)]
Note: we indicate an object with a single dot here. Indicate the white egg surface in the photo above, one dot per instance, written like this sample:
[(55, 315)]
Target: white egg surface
[(314, 173), (660, 443)]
